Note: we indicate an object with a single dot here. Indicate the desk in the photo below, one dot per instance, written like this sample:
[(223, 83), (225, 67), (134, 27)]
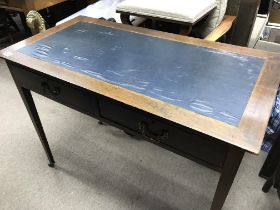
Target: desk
[(206, 101)]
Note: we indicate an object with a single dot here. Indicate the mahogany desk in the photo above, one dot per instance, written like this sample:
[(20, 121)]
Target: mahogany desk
[(206, 101)]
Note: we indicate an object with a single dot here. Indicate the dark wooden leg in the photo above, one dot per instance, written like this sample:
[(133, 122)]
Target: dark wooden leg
[(32, 111), (185, 30), (271, 161), (125, 19), (231, 165), (273, 180)]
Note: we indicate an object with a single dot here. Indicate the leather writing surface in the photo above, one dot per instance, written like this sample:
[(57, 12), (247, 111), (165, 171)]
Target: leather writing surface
[(214, 83)]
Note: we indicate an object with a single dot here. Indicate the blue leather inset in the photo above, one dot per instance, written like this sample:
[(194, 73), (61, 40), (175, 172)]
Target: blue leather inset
[(210, 82)]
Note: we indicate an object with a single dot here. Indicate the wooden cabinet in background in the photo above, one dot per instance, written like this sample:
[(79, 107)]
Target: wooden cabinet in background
[(3, 2), (26, 5)]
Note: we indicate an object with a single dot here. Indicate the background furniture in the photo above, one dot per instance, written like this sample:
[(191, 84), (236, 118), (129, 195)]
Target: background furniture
[(272, 160), (274, 16), (24, 6), (271, 169), (266, 32), (222, 29), (185, 13), (244, 10), (264, 7), (102, 9), (7, 26), (3, 2), (107, 9)]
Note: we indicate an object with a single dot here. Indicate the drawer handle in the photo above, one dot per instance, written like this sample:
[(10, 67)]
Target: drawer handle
[(144, 130), (53, 92)]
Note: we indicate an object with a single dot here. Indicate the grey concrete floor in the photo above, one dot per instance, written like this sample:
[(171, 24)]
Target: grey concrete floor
[(99, 167)]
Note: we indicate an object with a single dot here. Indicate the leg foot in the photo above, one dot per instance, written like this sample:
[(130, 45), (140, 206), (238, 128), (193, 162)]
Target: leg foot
[(125, 19), (267, 185), (51, 164)]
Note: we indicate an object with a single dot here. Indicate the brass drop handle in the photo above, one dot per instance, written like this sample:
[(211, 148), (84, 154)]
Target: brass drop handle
[(143, 128), (47, 89)]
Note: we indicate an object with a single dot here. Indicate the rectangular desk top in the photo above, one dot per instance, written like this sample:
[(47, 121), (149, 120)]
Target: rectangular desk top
[(223, 91), (210, 82)]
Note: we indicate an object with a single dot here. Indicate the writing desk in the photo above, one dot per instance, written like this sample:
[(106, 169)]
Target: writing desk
[(206, 101)]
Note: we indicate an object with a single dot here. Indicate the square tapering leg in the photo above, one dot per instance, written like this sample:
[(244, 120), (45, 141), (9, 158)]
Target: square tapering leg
[(231, 165), (32, 111)]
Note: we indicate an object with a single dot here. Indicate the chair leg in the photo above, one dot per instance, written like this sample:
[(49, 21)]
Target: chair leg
[(274, 181), (277, 177), (185, 30), (271, 161), (125, 18), (267, 185)]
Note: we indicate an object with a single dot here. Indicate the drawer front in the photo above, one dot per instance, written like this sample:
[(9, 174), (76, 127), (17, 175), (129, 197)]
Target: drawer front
[(56, 90), (183, 140)]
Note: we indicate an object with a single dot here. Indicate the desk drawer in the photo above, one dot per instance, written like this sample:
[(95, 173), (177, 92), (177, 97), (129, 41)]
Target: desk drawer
[(56, 90), (161, 131)]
